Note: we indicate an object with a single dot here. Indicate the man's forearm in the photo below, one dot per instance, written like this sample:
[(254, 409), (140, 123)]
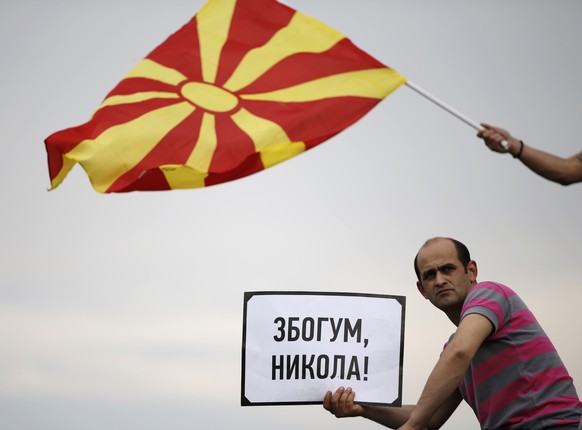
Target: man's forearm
[(440, 387), (395, 418), (442, 384), (390, 417), (564, 171)]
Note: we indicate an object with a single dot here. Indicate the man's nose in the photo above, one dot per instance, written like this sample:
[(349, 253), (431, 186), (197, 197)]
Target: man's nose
[(440, 279)]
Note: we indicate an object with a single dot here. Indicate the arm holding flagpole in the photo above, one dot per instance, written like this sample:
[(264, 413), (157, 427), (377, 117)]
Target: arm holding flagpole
[(564, 171), (449, 109)]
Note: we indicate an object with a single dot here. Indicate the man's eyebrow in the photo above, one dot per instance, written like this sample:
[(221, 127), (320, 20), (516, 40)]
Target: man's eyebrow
[(428, 272), (432, 271)]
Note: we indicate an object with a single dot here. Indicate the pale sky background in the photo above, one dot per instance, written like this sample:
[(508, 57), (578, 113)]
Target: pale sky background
[(125, 311)]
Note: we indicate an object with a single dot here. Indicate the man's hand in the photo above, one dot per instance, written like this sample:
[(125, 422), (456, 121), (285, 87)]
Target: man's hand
[(494, 136), (341, 403)]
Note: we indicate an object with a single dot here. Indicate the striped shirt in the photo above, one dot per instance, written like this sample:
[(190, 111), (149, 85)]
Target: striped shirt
[(516, 380)]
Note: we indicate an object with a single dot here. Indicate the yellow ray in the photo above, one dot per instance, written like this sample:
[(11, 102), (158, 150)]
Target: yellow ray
[(136, 98), (149, 69), (119, 148), (262, 131), (213, 26), (65, 169), (201, 156), (275, 154), (182, 177), (269, 138), (302, 34), (372, 83)]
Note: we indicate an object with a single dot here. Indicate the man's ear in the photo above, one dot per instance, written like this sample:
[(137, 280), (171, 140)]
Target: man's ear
[(472, 270), (421, 289)]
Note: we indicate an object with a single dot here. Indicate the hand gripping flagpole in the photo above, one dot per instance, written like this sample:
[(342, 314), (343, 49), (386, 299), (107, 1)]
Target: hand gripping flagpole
[(449, 109)]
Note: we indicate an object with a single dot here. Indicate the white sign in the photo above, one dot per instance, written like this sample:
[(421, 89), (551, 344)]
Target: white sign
[(299, 345)]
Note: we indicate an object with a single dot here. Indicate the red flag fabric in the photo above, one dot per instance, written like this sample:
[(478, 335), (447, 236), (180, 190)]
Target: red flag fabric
[(244, 85)]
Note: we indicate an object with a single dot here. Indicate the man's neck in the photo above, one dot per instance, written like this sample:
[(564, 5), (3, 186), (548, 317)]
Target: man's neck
[(454, 313), (454, 316)]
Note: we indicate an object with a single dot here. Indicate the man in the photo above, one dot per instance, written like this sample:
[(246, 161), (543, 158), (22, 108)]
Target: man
[(499, 359), (564, 171)]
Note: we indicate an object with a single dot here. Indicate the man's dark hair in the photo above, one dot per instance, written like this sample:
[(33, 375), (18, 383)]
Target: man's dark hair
[(462, 253)]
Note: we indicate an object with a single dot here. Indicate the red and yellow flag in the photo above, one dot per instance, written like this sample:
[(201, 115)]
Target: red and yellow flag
[(244, 85)]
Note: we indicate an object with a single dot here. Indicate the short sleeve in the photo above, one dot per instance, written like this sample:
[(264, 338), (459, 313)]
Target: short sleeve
[(490, 300)]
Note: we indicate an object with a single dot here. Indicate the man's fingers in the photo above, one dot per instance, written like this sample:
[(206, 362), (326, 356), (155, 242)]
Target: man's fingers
[(343, 399), (327, 401), (351, 398), (331, 401), (337, 396), (491, 137), (341, 402)]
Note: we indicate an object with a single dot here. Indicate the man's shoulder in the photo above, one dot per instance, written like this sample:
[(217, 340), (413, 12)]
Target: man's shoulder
[(489, 287), (490, 295)]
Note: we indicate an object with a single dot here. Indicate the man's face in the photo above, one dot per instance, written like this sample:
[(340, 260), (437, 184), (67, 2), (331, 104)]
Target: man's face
[(443, 279)]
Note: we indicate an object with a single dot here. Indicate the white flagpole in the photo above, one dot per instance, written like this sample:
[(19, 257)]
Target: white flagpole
[(449, 109)]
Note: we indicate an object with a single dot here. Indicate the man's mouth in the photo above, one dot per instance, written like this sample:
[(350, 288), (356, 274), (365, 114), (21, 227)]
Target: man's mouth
[(443, 292)]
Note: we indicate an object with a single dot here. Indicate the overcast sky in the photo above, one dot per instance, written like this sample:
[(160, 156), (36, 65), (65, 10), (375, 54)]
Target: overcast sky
[(125, 311)]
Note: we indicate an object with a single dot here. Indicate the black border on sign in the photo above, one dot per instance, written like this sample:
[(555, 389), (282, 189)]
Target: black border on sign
[(249, 294)]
